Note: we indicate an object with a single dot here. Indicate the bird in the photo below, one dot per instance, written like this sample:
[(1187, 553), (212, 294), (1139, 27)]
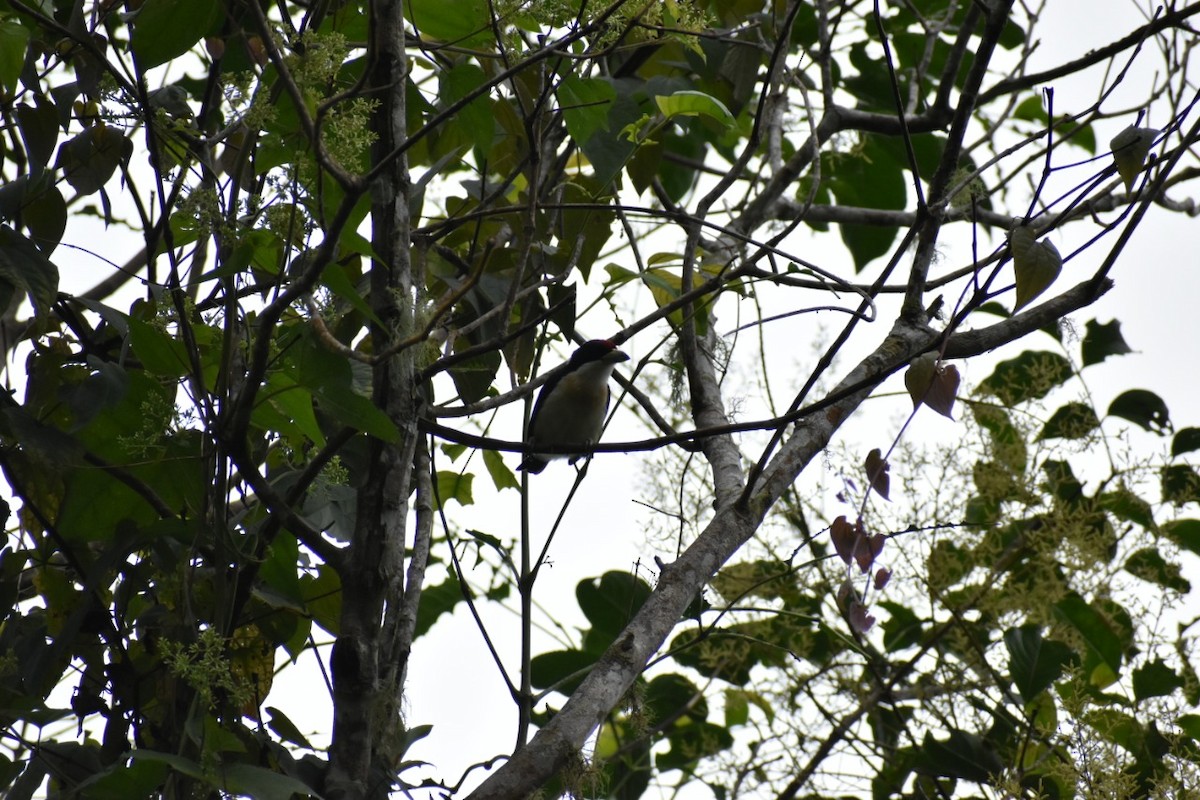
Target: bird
[(571, 406)]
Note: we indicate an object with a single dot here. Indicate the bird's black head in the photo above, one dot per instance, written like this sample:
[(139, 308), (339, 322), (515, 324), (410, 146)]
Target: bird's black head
[(597, 350)]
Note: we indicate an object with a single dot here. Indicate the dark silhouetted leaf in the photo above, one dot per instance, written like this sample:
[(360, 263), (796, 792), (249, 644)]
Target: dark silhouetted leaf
[(1125, 505), (1143, 408), (436, 600), (585, 103), (877, 473), (562, 669), (24, 268), (1102, 341), (964, 755), (902, 629), (1180, 484), (1186, 440), (1185, 533), (690, 743), (1149, 565), (39, 130), (674, 697), (1029, 376), (1155, 679), (609, 602), (89, 159), (1074, 420)]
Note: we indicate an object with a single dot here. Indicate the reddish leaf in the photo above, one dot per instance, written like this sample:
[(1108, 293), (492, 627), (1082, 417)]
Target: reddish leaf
[(919, 377), (867, 549), (877, 473), (882, 577), (943, 391), (844, 538), (860, 620)]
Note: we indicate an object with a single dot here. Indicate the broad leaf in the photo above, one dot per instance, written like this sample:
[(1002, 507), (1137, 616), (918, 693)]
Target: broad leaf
[(1143, 408)]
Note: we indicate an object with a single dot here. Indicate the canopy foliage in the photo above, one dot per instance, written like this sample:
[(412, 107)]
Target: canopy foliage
[(279, 275)]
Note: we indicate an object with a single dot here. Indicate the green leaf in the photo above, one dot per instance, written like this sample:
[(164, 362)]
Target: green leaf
[(1130, 148), (1008, 444), (1189, 724), (689, 103), (39, 130), (89, 159), (465, 22), (1031, 109), (1029, 376), (331, 379), (285, 729), (1143, 408), (562, 669), (178, 763), (1036, 265), (585, 103), (1185, 533), (164, 29), (279, 568), (502, 476), (141, 778), (473, 377), (259, 783), (45, 215), (1083, 136), (737, 710), (1102, 663), (609, 602), (1149, 565), (14, 38), (902, 629), (322, 595), (334, 278), (161, 353), (1180, 484), (23, 267), (963, 755), (475, 120), (1102, 341), (455, 486), (1118, 728), (673, 697), (1011, 36), (295, 406), (869, 177), (1127, 506), (1186, 440), (1074, 420), (436, 600), (1035, 663), (1061, 482), (690, 743), (767, 579)]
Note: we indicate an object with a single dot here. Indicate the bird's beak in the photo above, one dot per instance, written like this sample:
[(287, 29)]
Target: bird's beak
[(615, 357)]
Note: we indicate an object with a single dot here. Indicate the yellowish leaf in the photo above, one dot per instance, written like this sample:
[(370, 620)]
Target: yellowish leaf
[(1035, 264), (1130, 148)]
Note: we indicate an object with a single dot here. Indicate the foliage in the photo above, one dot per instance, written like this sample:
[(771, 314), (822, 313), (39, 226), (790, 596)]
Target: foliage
[(328, 230)]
